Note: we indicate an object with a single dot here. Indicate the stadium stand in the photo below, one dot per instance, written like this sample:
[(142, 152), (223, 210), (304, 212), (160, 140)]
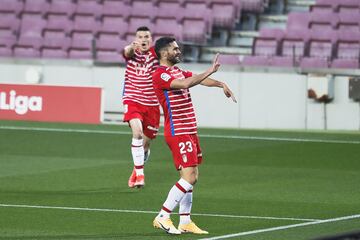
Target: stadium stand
[(325, 34)]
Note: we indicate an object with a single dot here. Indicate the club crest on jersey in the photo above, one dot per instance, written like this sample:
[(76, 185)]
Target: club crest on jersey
[(166, 77)]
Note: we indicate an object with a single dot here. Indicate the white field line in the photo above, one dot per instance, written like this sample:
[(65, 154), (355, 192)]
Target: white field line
[(201, 135), (151, 212), (283, 227)]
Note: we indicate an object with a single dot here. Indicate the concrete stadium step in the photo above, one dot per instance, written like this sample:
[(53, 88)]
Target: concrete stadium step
[(242, 38)]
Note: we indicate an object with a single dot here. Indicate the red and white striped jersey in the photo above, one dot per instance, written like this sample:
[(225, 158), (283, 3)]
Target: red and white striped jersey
[(138, 86), (177, 105)]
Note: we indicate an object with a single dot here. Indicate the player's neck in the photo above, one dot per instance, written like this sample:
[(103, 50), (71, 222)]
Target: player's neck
[(166, 63)]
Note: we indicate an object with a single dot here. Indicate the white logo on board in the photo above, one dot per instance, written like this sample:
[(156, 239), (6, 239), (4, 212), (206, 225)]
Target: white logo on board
[(19, 103)]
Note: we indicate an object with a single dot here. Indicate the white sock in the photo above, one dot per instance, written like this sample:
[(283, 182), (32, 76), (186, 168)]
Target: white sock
[(177, 192), (137, 151), (185, 207)]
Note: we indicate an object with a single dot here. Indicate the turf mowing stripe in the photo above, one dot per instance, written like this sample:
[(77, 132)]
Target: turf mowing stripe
[(200, 135), (283, 227), (152, 212)]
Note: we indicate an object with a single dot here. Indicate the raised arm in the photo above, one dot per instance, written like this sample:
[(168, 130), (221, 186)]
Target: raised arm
[(196, 79), (209, 82), (129, 50)]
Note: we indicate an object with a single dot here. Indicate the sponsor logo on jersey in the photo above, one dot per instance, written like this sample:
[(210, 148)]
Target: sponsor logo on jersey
[(166, 77), (184, 158)]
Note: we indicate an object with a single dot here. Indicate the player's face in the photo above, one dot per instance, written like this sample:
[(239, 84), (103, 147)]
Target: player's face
[(144, 39), (174, 53)]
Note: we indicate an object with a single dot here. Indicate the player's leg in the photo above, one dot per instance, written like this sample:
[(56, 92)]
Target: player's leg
[(147, 142), (151, 124), (186, 224), (137, 150)]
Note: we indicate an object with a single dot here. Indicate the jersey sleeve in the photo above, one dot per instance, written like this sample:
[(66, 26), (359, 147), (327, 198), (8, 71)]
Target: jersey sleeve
[(162, 79), (187, 74)]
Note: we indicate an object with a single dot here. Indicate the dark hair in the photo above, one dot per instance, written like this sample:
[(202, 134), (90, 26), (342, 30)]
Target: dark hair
[(142, 28), (162, 43)]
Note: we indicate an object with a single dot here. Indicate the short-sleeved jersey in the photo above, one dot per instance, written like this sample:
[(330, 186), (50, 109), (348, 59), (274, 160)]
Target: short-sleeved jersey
[(176, 103), (138, 85)]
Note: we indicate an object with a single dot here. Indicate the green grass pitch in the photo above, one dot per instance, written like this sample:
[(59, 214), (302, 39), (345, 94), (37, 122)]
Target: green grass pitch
[(69, 181)]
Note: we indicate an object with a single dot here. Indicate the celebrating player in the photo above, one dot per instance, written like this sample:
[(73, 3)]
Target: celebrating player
[(140, 102), (171, 85)]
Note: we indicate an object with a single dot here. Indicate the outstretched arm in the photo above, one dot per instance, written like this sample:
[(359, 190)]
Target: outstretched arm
[(209, 82), (196, 79), (129, 50)]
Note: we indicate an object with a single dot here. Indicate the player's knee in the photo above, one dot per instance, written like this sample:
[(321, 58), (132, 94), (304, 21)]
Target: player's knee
[(137, 134)]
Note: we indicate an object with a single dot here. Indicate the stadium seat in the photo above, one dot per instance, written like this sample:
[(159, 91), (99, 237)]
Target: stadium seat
[(88, 7), (143, 8), (115, 8), (320, 21), (6, 45), (283, 61), (80, 49), (135, 22), (194, 30), (199, 11), (11, 6), (167, 27), (58, 22), (298, 20), (32, 25), (109, 49), (229, 59), (55, 45), (170, 9), (257, 6), (267, 43), (224, 13), (256, 61), (114, 24), (9, 24), (66, 7), (85, 23), (345, 63), (349, 21), (348, 45), (38, 6)]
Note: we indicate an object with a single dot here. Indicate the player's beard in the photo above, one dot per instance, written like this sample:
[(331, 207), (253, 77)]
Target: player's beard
[(175, 59)]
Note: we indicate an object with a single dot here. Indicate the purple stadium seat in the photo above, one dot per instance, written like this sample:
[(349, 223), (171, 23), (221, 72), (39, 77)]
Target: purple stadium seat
[(170, 9), (256, 6), (58, 22), (321, 44), (349, 21), (348, 45), (143, 8), (85, 23), (229, 59), (115, 8), (345, 63), (56, 40), (322, 8), (9, 24), (26, 52), (199, 11), (310, 62), (294, 43), (168, 27), (348, 6), (256, 61), (224, 13), (320, 21), (11, 6), (114, 24), (32, 25), (267, 43), (66, 7), (53, 53), (6, 45), (110, 49), (135, 22), (80, 49), (298, 20), (280, 61), (38, 6), (88, 7), (194, 30)]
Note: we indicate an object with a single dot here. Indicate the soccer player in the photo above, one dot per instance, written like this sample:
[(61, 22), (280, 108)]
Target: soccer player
[(140, 102), (171, 86)]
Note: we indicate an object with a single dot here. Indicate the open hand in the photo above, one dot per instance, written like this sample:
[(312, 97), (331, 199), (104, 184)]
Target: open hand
[(215, 64), (228, 93)]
